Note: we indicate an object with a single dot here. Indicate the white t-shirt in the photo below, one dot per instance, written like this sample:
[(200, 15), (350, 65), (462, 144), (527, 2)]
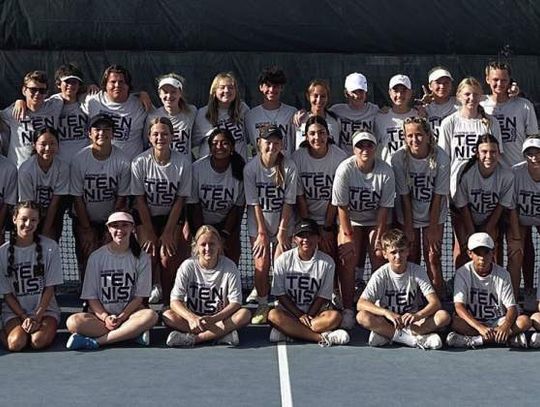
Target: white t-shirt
[(303, 281), (482, 195), (351, 120), (487, 298), (22, 132), (8, 181), (99, 182), (316, 177), (363, 194), (24, 283), (182, 126), (389, 132), (72, 129), (161, 184), (207, 291), (399, 293), (128, 118), (517, 120), (116, 278), (203, 126), (437, 112), (40, 186), (261, 189), (526, 196), (216, 192), (458, 137), (282, 117), (415, 178)]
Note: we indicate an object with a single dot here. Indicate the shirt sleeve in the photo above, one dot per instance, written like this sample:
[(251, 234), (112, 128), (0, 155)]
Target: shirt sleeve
[(249, 183), (234, 289), (278, 278), (291, 183), (340, 189), (76, 177), (125, 178), (91, 279), (137, 177), (327, 284), (461, 286), (179, 291), (144, 275), (53, 265)]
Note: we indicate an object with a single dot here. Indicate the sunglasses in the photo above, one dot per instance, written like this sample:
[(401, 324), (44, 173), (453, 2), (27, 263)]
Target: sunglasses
[(33, 91)]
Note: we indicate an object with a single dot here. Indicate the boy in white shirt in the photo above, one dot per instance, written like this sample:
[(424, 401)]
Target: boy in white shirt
[(391, 304), (486, 310)]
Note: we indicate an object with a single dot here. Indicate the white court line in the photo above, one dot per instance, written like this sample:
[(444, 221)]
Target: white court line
[(284, 378)]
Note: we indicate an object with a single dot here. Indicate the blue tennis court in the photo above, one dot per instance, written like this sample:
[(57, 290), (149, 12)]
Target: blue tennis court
[(263, 374)]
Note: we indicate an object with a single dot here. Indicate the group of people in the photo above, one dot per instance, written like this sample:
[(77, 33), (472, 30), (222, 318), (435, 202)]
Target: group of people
[(325, 188)]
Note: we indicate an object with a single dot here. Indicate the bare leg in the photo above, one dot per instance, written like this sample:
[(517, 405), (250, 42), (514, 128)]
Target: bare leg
[(432, 324), (291, 326), (376, 324), (46, 333), (14, 337), (262, 267), (432, 257)]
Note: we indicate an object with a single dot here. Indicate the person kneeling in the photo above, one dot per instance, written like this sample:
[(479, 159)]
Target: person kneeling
[(390, 304), (207, 296), (486, 310), (117, 279), (303, 284)]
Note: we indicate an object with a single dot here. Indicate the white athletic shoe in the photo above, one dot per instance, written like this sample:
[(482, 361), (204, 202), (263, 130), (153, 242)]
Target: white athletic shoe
[(180, 339), (529, 300), (377, 340), (535, 340), (348, 321), (231, 339), (428, 341), (332, 338), (455, 340), (277, 336), (143, 339), (252, 297), (155, 294), (518, 341)]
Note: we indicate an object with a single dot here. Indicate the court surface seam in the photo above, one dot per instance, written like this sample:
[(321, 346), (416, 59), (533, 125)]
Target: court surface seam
[(284, 378)]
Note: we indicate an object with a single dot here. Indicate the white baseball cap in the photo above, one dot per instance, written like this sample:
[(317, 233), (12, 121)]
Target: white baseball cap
[(360, 135), (530, 142), (170, 81), (120, 217), (355, 81), (400, 80), (438, 74), (480, 239)]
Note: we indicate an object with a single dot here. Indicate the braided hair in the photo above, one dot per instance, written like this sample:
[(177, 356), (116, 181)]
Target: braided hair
[(39, 268)]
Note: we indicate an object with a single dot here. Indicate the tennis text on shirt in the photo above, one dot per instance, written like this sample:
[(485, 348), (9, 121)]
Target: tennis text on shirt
[(348, 127), (302, 288), (160, 191), (26, 282), (401, 301), (99, 187), (528, 203), (508, 127), (483, 304), (122, 125), (31, 124), (465, 145), (395, 138), (116, 286), (214, 197), (363, 199), (317, 185), (482, 201), (43, 195), (205, 299), (270, 196), (422, 186), (72, 127)]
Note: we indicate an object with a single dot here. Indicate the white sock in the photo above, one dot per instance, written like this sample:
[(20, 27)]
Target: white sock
[(405, 337), (262, 300)]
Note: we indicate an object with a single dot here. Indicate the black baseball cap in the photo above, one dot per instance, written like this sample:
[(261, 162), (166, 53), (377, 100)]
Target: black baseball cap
[(101, 118), (269, 131), (306, 226)]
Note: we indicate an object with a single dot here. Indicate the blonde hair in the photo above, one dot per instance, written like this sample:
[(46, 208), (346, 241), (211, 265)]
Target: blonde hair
[(473, 83), (278, 167), (212, 113), (205, 229), (432, 154), (182, 103)]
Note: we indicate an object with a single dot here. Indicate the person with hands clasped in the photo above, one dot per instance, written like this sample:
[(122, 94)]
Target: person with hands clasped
[(363, 192), (270, 182), (30, 267), (207, 296), (303, 283), (486, 310), (160, 183), (390, 306), (116, 281)]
